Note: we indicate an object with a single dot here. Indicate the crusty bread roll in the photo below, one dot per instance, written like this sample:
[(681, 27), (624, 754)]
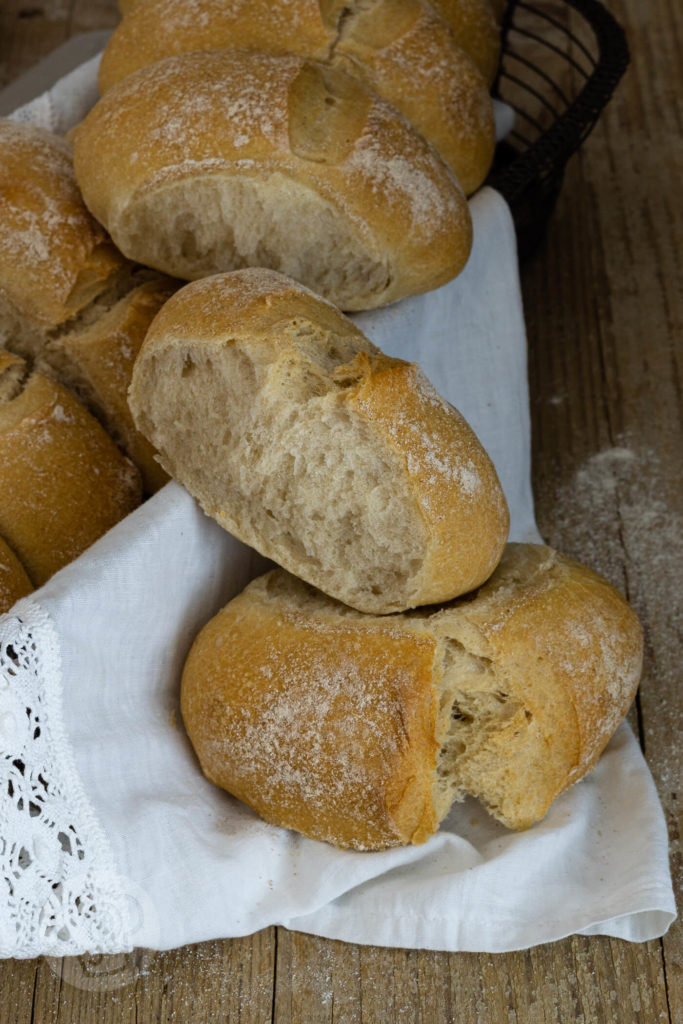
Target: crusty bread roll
[(95, 361), (55, 259), (211, 161), (404, 51), (472, 23), (14, 581), (63, 480), (165, 28), (400, 48), (362, 731), (302, 439)]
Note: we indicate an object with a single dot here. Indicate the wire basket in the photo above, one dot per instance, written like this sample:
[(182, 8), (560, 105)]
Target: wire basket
[(561, 61)]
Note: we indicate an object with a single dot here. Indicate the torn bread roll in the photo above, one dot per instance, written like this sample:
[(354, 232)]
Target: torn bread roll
[(14, 580), (401, 49), (302, 439), (95, 361), (212, 161), (55, 259), (64, 482), (362, 731)]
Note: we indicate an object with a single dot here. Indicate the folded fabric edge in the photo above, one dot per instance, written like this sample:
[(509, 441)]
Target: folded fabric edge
[(650, 920)]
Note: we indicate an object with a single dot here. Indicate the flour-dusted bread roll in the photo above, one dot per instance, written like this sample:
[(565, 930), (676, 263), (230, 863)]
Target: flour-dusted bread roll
[(400, 48), (362, 731), (165, 28), (63, 480), (472, 23), (405, 52), (212, 161), (55, 259), (302, 439), (95, 361), (14, 581)]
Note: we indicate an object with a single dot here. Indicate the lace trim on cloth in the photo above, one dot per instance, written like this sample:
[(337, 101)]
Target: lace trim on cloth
[(61, 894)]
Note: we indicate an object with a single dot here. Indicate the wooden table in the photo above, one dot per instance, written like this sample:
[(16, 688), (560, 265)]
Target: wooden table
[(604, 310)]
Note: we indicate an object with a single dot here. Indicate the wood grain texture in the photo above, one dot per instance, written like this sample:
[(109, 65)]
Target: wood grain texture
[(604, 307)]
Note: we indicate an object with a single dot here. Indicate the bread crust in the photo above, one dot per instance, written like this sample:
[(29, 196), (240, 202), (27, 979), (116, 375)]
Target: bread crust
[(401, 49), (336, 724), (472, 23), (371, 213), (318, 390), (96, 363), (475, 28), (323, 724), (64, 481), (54, 257), (14, 581)]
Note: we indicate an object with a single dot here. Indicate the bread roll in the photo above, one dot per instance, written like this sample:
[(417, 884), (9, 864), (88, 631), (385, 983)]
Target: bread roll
[(404, 51), (165, 28), (212, 161), (95, 361), (63, 480), (362, 731), (401, 49), (472, 23), (14, 581), (55, 259), (302, 439)]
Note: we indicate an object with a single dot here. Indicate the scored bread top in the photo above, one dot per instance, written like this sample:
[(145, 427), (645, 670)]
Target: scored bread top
[(300, 437), (472, 24), (400, 48), (406, 53), (54, 257), (362, 730), (277, 161)]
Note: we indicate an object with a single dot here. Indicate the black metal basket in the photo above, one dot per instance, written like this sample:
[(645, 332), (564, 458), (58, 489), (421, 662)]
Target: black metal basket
[(561, 61)]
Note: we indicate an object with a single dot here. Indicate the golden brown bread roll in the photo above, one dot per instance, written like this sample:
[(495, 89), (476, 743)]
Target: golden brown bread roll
[(472, 23), (362, 731), (14, 581), (95, 361), (401, 49), (64, 482), (211, 161), (302, 439), (55, 259)]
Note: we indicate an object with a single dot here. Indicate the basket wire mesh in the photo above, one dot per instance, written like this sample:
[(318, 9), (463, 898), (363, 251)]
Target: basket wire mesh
[(560, 63)]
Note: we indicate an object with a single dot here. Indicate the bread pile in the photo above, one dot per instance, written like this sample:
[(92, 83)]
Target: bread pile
[(73, 313), (334, 143), (292, 159), (403, 655), (230, 133)]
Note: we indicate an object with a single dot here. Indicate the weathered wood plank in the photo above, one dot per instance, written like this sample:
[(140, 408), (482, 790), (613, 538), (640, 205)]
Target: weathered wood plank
[(29, 31), (594, 981)]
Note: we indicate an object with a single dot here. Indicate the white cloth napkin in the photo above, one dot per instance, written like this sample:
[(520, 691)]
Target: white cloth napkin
[(112, 838)]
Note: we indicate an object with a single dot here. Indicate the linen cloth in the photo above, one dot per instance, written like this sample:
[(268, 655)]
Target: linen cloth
[(112, 838)]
